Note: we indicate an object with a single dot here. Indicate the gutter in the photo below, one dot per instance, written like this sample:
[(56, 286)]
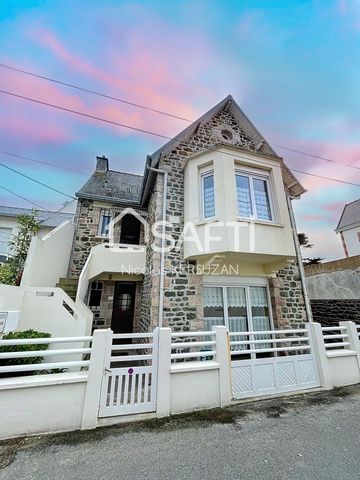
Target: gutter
[(299, 258), (163, 231)]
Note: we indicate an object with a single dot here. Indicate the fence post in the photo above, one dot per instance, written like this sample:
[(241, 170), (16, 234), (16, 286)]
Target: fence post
[(318, 348), (163, 373), (353, 337), (99, 360), (224, 360)]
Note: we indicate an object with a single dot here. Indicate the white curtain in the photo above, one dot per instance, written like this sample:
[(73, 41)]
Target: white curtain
[(236, 297), (258, 297), (213, 297)]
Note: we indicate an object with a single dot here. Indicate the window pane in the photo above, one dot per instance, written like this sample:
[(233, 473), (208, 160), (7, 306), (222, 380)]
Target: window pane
[(208, 196), (104, 222), (262, 202), (243, 196), (4, 240), (213, 307), (237, 313), (260, 314)]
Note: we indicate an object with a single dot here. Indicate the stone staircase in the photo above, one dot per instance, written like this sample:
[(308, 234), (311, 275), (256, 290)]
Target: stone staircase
[(69, 285)]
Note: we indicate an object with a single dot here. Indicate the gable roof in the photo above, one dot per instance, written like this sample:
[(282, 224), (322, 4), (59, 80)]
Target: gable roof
[(350, 216), (46, 218), (112, 186), (262, 146), (229, 104)]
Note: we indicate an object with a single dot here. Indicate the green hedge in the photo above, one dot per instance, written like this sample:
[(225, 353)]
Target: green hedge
[(23, 348)]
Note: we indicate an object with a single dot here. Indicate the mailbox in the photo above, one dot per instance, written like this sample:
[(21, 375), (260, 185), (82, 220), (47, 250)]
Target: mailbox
[(9, 320)]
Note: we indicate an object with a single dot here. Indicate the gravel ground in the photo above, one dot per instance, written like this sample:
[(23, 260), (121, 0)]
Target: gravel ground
[(307, 437)]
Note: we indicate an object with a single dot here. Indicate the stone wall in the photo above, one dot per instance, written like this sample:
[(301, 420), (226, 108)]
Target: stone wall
[(287, 298), (331, 312), (86, 222)]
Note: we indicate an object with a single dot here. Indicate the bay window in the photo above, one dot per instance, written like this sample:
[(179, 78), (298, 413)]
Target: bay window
[(253, 196), (208, 195), (242, 308)]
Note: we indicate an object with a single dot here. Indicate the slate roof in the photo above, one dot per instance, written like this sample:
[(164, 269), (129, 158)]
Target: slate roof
[(119, 187), (350, 216), (47, 218)]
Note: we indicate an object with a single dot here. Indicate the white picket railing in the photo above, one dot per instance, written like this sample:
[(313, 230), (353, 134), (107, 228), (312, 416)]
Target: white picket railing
[(189, 346), (49, 366), (275, 341), (130, 379), (335, 338)]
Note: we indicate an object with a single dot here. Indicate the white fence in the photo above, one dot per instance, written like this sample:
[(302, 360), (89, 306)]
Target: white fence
[(272, 362), (162, 373), (130, 377)]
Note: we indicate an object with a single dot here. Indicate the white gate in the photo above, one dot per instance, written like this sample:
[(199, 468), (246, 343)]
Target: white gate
[(129, 382), (270, 362)]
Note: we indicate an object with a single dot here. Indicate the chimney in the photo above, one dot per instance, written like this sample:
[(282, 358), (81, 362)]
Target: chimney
[(102, 164)]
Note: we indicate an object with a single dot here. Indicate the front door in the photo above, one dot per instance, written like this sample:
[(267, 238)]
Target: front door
[(123, 307)]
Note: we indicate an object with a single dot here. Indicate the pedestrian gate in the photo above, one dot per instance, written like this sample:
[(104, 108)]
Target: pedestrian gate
[(271, 362), (130, 377)]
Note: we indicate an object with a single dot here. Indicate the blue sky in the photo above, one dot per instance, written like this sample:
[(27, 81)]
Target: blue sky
[(294, 67)]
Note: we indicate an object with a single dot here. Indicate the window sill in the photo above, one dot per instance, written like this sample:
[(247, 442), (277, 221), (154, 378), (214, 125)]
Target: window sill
[(208, 220), (260, 222)]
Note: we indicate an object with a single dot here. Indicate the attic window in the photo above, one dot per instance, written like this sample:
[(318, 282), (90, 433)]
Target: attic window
[(227, 135)]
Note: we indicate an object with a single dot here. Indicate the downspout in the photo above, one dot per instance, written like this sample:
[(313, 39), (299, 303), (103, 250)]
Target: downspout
[(299, 258), (163, 245)]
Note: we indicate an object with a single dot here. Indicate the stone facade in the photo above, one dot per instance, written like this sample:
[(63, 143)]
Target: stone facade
[(183, 302), (86, 221), (287, 298)]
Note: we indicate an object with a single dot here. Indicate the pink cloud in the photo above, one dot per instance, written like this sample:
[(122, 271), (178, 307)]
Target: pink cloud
[(143, 73)]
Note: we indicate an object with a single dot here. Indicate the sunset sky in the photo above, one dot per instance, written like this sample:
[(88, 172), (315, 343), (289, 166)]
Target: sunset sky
[(293, 66)]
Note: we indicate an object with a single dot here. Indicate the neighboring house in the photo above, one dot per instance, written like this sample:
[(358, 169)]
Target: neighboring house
[(8, 224), (221, 174), (349, 228)]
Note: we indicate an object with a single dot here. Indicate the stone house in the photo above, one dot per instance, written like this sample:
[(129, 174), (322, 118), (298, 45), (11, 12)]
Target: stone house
[(230, 255)]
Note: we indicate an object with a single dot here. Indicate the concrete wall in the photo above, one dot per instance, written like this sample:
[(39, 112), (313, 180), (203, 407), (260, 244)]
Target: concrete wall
[(344, 369), (43, 309), (48, 257), (41, 404), (194, 390), (338, 279)]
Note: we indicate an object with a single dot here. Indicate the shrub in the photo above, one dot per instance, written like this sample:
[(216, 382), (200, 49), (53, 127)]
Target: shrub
[(23, 348)]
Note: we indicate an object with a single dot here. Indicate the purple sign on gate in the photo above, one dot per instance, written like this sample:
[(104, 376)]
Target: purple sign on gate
[(130, 371)]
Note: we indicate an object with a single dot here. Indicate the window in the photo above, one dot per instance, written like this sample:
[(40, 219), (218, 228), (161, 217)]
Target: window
[(241, 308), (105, 219), (5, 234), (208, 195), (253, 197), (95, 295)]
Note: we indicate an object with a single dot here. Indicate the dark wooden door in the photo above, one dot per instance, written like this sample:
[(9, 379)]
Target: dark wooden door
[(123, 307)]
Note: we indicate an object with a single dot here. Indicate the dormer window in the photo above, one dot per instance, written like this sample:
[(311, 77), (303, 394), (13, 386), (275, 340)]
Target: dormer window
[(253, 196), (208, 194)]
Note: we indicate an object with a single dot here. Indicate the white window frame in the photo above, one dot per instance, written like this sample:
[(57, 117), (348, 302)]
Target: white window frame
[(203, 175), (257, 176), (248, 304), (8, 231), (103, 213)]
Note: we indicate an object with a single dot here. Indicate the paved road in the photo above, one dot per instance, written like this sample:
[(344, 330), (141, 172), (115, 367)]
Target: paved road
[(308, 437)]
